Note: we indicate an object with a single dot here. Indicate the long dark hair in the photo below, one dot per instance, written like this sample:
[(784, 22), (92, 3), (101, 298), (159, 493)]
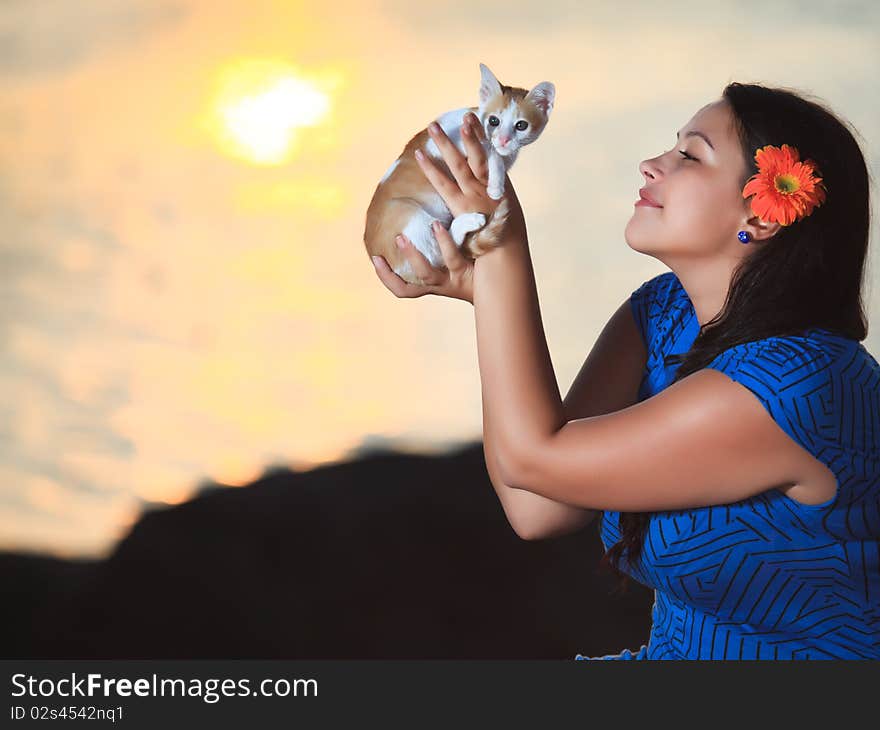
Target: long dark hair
[(809, 274)]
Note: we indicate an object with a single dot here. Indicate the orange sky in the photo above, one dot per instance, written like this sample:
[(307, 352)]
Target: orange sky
[(183, 189)]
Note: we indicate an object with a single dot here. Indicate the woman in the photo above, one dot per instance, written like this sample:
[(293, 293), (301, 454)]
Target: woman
[(726, 424)]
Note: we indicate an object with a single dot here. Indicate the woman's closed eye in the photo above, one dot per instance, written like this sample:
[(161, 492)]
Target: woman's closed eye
[(687, 156)]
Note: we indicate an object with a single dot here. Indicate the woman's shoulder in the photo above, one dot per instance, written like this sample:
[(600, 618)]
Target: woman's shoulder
[(822, 387), (814, 350), (658, 289), (654, 303)]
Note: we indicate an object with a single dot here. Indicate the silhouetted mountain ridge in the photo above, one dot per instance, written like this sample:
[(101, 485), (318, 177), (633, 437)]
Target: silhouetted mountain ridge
[(388, 555)]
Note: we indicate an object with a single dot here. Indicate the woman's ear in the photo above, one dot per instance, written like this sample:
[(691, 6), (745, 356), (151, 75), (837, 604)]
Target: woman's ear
[(760, 230)]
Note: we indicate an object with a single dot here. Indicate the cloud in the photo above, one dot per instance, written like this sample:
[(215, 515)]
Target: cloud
[(46, 36), (524, 19)]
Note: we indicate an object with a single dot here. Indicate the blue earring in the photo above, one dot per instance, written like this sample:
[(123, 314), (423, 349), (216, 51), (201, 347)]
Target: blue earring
[(744, 236)]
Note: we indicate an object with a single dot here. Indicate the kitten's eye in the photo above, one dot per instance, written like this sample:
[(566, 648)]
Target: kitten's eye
[(493, 121), (521, 125)]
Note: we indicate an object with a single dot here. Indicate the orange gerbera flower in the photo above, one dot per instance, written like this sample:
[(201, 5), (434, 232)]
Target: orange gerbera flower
[(785, 189)]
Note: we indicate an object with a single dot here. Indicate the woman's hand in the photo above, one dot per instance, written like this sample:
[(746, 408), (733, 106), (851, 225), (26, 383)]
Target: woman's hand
[(455, 281), (467, 193)]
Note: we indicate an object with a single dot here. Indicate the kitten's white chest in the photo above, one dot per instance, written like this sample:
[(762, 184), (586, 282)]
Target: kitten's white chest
[(450, 123)]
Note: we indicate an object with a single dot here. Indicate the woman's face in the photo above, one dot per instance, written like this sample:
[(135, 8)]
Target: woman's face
[(701, 198)]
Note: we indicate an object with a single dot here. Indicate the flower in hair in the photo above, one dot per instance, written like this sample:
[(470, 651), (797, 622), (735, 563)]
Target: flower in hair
[(785, 188)]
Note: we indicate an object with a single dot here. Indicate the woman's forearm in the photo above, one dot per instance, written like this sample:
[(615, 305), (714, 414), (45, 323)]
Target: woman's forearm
[(511, 499), (532, 516), (517, 375)]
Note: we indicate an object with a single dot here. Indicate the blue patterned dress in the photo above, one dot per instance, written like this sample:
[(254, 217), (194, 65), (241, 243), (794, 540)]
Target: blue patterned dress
[(768, 577)]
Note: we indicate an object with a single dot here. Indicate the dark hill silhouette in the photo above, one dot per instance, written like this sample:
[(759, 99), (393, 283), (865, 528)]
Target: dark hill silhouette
[(387, 556)]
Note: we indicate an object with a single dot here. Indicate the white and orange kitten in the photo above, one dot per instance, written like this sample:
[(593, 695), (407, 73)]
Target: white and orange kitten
[(406, 202)]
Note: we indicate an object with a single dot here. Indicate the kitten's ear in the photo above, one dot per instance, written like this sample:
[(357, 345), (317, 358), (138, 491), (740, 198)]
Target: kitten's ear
[(489, 85), (543, 96)]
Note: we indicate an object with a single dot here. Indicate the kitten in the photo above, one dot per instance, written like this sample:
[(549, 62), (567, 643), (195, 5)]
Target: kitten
[(406, 202)]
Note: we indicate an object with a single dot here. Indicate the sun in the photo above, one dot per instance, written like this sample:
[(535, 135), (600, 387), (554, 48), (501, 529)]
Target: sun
[(259, 107)]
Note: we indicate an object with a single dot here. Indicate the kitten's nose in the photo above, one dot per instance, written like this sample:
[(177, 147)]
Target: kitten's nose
[(503, 140)]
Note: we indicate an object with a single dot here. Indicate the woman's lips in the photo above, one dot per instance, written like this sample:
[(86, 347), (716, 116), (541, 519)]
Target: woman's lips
[(641, 202), (646, 199)]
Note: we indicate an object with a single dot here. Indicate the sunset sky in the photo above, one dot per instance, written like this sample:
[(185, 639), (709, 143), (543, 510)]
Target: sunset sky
[(185, 291)]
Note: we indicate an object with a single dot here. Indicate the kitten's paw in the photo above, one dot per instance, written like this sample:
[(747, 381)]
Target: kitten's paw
[(464, 224), (495, 193), (474, 221)]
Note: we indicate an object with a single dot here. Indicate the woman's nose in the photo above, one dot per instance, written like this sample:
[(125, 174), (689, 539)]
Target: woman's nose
[(650, 169)]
